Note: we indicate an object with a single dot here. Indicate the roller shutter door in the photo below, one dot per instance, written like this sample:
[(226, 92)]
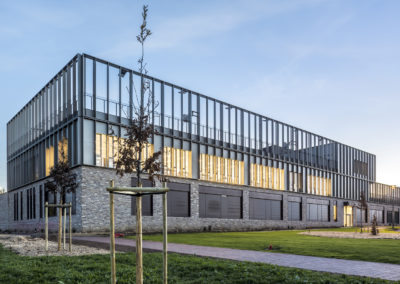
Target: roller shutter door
[(178, 199), (220, 203), (147, 200)]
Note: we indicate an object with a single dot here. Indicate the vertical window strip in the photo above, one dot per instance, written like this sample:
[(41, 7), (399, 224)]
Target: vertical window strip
[(267, 177), (221, 170), (178, 162)]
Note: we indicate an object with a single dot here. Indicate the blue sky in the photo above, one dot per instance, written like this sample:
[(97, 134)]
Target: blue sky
[(331, 67)]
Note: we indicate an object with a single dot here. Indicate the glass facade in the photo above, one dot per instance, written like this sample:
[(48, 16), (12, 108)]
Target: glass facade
[(201, 137)]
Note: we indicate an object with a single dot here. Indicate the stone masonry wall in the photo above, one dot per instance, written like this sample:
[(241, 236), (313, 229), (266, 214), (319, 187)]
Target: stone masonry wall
[(38, 224), (3, 211), (95, 208), (92, 208)]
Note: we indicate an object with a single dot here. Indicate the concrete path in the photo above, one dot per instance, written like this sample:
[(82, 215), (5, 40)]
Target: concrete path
[(341, 266)]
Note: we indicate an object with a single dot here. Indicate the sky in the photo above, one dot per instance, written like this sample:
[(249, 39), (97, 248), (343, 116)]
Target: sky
[(330, 67)]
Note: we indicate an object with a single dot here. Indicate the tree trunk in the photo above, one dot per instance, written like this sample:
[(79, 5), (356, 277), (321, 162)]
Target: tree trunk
[(59, 228), (60, 210), (139, 259)]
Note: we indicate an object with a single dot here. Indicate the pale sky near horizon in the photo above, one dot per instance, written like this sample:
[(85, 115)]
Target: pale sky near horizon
[(330, 67)]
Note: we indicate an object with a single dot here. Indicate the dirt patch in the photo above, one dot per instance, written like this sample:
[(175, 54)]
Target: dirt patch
[(351, 235), (30, 246)]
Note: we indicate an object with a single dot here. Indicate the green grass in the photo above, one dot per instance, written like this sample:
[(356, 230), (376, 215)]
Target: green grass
[(390, 230), (182, 269), (381, 250)]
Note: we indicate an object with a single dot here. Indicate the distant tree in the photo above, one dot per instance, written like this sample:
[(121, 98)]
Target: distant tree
[(374, 228), (363, 206), (62, 181)]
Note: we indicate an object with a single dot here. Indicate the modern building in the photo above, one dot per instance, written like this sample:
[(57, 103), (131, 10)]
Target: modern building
[(228, 168)]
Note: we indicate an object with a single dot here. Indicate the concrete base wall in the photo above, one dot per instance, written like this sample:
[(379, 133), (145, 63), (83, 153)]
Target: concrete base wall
[(92, 208), (3, 211)]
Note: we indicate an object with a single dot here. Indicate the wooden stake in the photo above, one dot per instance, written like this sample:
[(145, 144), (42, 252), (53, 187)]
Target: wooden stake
[(59, 228), (70, 227), (139, 259), (112, 237), (165, 232), (46, 228), (64, 224)]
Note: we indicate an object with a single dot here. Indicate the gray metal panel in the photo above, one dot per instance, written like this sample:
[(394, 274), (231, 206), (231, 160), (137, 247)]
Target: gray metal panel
[(257, 209), (261, 195), (220, 206), (294, 211), (147, 200), (213, 208), (147, 205), (265, 209), (317, 201), (294, 198), (178, 203), (276, 209), (219, 190), (179, 186), (232, 207)]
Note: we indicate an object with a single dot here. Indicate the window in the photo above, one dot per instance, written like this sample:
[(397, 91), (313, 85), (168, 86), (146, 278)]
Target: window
[(41, 201), (318, 212), (16, 207), (294, 211), (378, 213), (63, 149), (71, 198), (22, 205), (49, 159), (147, 200), (177, 162), (51, 198), (107, 147), (267, 177), (178, 200), (335, 213), (360, 168), (265, 209), (34, 203), (220, 203), (295, 182), (223, 170), (319, 185)]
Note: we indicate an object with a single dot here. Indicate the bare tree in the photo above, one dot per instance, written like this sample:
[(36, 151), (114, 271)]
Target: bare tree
[(138, 133), (62, 181), (140, 130), (363, 206)]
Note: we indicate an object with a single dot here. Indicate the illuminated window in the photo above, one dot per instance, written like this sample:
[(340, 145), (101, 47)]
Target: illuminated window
[(49, 159), (295, 182), (223, 170), (319, 185), (107, 147), (63, 147), (267, 177), (335, 213), (177, 162)]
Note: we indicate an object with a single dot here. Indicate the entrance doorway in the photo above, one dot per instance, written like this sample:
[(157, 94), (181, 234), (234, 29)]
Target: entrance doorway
[(348, 216)]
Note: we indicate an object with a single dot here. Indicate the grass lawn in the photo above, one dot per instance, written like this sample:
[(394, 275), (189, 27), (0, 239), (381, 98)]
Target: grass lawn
[(182, 269), (383, 250)]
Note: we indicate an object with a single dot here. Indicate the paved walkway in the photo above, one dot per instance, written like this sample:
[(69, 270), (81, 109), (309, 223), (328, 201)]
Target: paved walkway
[(341, 266)]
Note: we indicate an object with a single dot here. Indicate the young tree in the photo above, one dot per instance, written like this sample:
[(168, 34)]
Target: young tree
[(130, 158), (140, 129), (62, 181), (374, 229), (363, 206)]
